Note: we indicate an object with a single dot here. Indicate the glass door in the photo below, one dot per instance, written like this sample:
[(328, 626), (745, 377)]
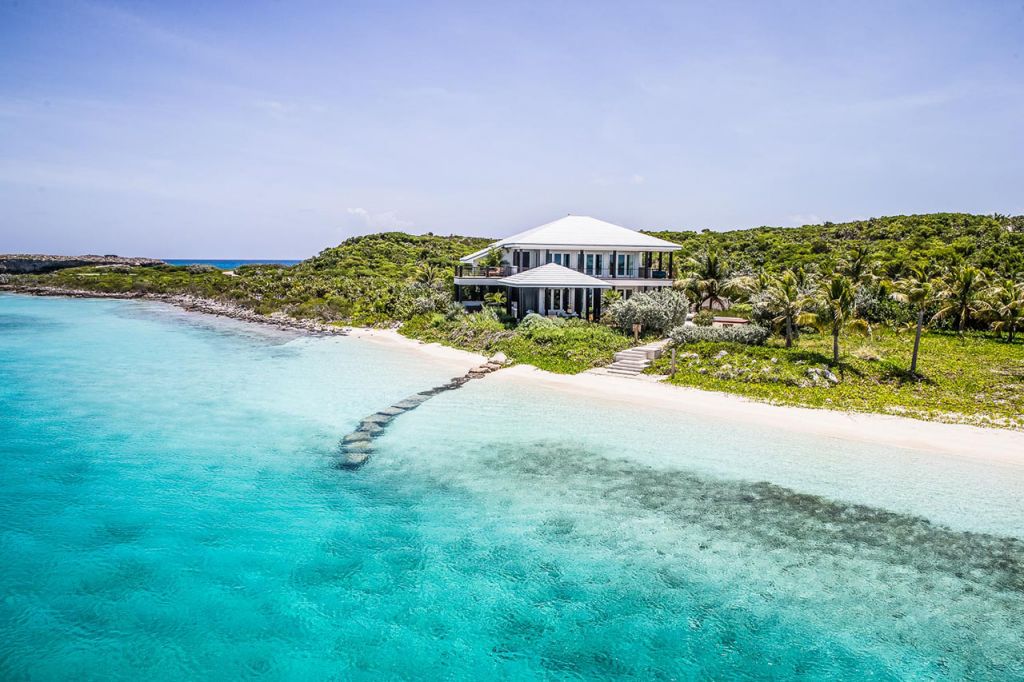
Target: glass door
[(556, 300), (624, 266)]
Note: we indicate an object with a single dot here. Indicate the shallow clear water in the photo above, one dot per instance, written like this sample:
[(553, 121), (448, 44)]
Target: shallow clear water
[(169, 510)]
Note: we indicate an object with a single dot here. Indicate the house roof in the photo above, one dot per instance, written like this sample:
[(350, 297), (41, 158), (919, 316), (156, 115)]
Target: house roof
[(579, 232), (555, 276)]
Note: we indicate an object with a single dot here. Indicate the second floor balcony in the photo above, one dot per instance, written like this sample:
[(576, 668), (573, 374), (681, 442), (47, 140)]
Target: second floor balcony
[(622, 272)]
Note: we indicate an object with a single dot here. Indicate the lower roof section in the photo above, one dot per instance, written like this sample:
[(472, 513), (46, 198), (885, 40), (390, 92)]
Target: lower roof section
[(555, 276)]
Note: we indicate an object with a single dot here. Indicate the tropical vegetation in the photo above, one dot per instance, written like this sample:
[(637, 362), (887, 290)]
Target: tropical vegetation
[(915, 313)]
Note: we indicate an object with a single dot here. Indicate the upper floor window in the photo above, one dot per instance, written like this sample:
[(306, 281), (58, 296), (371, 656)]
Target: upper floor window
[(624, 265)]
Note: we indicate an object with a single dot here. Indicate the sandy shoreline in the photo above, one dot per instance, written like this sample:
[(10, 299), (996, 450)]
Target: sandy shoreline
[(992, 444), (390, 337), (988, 443)]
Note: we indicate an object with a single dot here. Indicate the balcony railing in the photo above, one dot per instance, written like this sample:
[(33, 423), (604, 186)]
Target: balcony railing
[(481, 271), (500, 271), (635, 272)]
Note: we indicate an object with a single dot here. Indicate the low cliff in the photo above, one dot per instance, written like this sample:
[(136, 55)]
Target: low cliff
[(25, 264)]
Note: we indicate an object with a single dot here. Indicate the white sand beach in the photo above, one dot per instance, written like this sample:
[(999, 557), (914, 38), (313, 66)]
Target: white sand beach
[(992, 444), (459, 358), (971, 441)]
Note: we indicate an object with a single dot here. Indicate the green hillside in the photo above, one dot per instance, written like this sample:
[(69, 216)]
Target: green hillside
[(897, 242)]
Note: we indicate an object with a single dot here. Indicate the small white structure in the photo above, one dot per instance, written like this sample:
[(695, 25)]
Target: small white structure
[(561, 267)]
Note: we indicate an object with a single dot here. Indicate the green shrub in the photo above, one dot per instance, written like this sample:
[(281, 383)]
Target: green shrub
[(747, 334), (704, 318), (655, 311), (536, 321), (200, 268)]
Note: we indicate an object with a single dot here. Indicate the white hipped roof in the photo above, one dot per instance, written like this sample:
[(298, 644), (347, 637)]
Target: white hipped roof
[(555, 276), (579, 232)]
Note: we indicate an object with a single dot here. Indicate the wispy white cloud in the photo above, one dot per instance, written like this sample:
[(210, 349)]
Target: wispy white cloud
[(157, 34), (385, 220)]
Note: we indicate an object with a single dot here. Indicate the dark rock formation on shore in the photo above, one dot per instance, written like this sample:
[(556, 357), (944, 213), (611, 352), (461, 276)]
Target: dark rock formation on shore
[(28, 264)]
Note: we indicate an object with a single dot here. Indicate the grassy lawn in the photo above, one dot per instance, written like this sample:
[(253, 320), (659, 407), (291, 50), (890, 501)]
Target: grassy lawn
[(973, 379)]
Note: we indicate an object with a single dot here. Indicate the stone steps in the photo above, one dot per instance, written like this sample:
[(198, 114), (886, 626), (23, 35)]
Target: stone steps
[(634, 361), (355, 448)]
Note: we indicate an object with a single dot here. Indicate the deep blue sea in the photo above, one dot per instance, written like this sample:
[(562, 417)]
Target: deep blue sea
[(226, 264), (169, 510)]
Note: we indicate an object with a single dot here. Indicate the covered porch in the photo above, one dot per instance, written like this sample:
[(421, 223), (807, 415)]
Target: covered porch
[(554, 289)]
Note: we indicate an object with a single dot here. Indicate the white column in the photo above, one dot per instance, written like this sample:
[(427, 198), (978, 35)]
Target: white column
[(540, 301)]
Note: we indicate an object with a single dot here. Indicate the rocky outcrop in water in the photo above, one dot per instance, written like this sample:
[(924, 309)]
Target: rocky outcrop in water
[(355, 448), (29, 264)]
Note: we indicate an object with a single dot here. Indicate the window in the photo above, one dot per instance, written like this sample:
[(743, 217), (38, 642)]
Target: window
[(624, 266), (559, 258), (593, 264)]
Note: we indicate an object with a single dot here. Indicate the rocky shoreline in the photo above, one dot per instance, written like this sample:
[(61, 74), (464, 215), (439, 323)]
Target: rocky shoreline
[(36, 263), (192, 304)]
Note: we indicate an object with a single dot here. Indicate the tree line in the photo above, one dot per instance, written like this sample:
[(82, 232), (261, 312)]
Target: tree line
[(859, 291)]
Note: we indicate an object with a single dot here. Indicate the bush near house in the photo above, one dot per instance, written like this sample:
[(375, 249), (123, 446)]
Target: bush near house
[(704, 318), (657, 311), (747, 334), (564, 346)]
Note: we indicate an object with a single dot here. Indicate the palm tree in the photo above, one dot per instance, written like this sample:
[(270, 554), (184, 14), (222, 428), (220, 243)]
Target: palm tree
[(837, 304), (919, 291), (960, 297), (429, 274), (859, 266), (496, 299), (1007, 305), (492, 258), (748, 284), (787, 298), (707, 280)]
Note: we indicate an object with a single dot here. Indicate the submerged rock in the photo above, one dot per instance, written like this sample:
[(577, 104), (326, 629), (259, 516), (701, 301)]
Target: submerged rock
[(357, 446), (356, 436), (410, 403), (354, 460)]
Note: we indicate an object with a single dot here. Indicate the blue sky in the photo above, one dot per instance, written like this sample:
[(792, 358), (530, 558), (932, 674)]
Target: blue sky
[(204, 129)]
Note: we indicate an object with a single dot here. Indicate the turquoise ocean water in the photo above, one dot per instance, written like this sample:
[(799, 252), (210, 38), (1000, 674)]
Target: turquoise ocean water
[(169, 510), (229, 264)]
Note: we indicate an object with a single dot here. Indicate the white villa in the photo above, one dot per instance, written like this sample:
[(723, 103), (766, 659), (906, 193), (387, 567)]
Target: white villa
[(562, 267)]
